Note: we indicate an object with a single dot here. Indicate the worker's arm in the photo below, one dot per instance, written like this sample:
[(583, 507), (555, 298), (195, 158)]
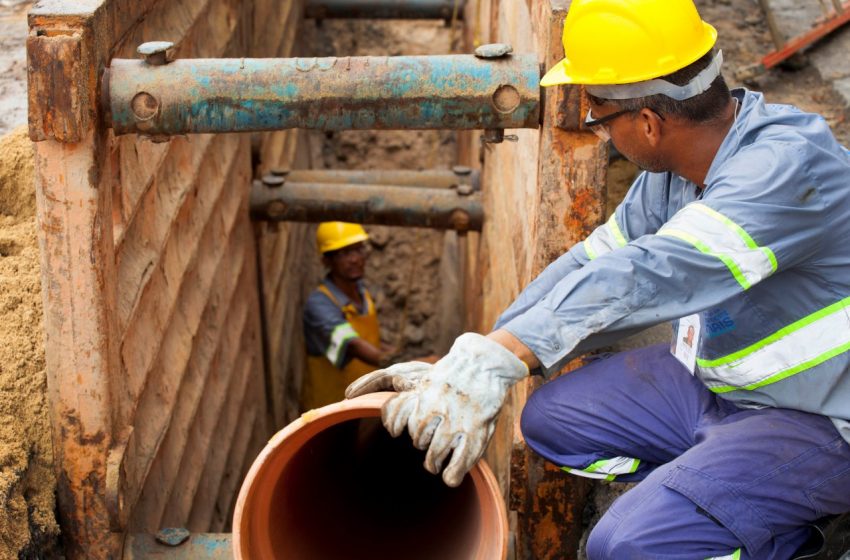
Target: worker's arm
[(328, 333), (363, 350), (640, 213), (756, 219)]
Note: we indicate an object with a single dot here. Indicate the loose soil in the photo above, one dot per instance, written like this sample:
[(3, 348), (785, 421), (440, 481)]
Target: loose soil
[(28, 528)]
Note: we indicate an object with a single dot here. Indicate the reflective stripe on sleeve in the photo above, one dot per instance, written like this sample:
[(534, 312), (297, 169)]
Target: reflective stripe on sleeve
[(605, 239), (606, 469), (734, 556), (341, 334), (714, 234), (797, 347)]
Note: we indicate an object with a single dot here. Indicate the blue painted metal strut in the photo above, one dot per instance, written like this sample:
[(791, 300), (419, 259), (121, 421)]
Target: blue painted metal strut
[(242, 95), (384, 9)]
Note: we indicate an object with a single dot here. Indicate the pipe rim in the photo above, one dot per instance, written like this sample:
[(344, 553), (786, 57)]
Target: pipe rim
[(367, 406)]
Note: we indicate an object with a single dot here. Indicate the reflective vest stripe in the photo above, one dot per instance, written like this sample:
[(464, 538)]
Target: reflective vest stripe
[(604, 239), (797, 347), (734, 556), (714, 234), (606, 469), (341, 334)]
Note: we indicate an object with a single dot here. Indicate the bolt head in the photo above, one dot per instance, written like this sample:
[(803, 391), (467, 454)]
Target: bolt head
[(172, 536), (462, 170), (155, 52), (493, 50), (273, 181)]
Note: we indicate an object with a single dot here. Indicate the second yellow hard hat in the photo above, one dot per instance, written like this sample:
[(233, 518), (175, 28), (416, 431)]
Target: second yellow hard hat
[(627, 41), (332, 236)]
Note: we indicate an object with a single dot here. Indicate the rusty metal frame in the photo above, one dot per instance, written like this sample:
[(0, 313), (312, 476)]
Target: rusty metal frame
[(786, 48), (160, 99), (389, 205), (384, 9)]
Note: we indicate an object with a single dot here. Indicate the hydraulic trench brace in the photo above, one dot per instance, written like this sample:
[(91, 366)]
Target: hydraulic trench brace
[(277, 198), (446, 10), (160, 97)]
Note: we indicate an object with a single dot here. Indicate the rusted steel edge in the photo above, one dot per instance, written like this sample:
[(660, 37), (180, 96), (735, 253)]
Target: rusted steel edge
[(795, 45), (368, 204), (58, 97), (385, 9)]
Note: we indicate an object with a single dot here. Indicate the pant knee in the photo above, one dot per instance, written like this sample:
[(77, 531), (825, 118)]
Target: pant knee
[(609, 541), (535, 426)]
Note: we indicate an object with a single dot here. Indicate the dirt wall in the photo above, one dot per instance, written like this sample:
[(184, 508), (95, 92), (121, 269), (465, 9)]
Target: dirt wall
[(411, 271), (27, 482)]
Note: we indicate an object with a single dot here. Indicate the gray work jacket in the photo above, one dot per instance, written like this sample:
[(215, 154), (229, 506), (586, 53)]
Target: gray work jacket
[(762, 254)]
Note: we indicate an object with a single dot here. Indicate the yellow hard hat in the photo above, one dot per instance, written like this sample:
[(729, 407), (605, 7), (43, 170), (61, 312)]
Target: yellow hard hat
[(336, 235), (626, 41)]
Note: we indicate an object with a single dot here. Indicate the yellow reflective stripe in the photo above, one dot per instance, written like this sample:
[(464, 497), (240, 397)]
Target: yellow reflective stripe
[(604, 239), (740, 232), (591, 254), (797, 347), (714, 234), (703, 248), (606, 469), (615, 229), (341, 334)]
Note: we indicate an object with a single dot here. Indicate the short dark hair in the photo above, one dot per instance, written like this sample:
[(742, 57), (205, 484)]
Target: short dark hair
[(705, 107)]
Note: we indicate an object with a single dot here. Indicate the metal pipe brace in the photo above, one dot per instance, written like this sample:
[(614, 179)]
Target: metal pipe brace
[(160, 98), (384, 9), (277, 199)]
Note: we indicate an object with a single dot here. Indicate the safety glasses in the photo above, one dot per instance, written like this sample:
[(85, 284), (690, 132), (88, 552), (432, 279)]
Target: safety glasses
[(598, 125)]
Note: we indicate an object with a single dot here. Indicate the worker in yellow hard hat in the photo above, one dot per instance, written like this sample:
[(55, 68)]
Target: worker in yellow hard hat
[(340, 320), (739, 434)]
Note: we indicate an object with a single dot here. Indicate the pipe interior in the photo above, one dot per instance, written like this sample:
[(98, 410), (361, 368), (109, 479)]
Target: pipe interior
[(354, 492)]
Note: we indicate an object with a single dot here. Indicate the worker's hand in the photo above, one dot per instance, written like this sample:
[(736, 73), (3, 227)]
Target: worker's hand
[(450, 407)]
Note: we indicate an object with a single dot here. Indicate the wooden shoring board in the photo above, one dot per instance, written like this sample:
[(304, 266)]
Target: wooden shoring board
[(68, 43), (84, 212)]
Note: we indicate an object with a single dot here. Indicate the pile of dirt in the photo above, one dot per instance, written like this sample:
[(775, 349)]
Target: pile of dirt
[(27, 483), (404, 269)]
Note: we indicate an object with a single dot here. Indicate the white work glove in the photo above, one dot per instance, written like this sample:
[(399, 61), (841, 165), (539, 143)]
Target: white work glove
[(448, 407)]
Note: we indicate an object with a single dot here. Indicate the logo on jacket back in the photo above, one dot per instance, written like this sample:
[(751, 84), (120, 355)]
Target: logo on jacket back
[(717, 322)]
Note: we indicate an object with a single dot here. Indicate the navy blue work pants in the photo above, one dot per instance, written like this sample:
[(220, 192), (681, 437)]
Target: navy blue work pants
[(716, 480)]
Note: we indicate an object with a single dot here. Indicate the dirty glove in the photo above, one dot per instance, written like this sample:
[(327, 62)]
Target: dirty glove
[(451, 406)]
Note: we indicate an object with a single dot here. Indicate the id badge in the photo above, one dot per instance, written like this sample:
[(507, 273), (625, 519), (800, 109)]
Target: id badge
[(686, 342)]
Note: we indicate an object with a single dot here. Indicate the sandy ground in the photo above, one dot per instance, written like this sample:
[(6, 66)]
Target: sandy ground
[(13, 68), (27, 483)]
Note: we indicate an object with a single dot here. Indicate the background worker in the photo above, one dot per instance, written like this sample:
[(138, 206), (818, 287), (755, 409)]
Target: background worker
[(739, 229), (341, 327)]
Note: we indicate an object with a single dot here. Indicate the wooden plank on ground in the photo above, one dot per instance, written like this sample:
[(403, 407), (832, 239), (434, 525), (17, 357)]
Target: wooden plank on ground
[(156, 402)]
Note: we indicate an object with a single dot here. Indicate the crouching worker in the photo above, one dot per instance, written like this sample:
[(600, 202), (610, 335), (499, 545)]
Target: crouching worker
[(340, 321), (739, 439)]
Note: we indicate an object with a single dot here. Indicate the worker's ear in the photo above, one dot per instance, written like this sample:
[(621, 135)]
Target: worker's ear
[(651, 126)]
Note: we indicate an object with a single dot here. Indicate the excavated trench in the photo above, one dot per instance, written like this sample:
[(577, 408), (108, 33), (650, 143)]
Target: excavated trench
[(409, 272)]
